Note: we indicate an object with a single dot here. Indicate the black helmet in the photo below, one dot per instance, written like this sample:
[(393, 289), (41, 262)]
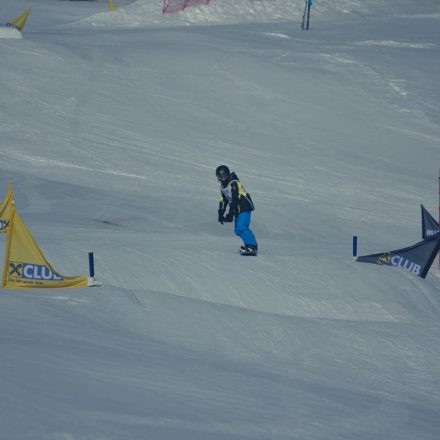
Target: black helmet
[(222, 172)]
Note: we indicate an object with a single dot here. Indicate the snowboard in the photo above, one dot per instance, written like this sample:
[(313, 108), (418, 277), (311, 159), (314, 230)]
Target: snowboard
[(246, 253)]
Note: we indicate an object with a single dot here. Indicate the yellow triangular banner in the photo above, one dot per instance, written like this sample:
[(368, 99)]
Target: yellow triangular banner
[(25, 265), (5, 210), (20, 21), (111, 6)]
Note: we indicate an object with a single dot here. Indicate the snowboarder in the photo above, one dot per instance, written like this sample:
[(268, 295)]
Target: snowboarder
[(240, 208)]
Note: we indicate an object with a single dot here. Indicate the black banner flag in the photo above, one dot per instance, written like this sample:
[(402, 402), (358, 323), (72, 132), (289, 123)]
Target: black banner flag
[(429, 224), (416, 259)]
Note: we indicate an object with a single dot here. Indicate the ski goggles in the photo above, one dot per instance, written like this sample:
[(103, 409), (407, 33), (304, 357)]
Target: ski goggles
[(222, 177)]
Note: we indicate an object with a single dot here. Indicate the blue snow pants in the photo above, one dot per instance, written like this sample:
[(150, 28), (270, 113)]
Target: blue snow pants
[(242, 222)]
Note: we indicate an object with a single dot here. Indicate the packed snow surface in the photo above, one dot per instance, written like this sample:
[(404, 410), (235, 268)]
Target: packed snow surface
[(112, 124)]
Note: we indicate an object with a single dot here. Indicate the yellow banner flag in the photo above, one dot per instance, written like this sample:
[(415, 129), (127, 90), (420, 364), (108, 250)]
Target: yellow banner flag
[(20, 21), (25, 265), (5, 210), (111, 6)]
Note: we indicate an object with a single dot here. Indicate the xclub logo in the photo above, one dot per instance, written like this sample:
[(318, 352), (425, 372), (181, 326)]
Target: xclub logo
[(32, 272), (385, 258), (431, 232), (398, 261), (4, 225)]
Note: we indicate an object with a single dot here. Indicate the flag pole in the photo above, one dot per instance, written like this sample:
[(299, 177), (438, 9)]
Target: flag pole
[(91, 265), (309, 4)]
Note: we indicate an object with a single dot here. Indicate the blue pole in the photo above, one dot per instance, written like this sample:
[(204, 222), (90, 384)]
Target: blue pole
[(303, 22), (309, 5), (91, 265), (355, 244)]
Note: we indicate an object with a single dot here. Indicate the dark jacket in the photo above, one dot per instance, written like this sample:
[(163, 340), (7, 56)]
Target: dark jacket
[(234, 195)]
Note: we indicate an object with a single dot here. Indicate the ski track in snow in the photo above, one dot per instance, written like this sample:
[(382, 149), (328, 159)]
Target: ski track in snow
[(397, 44)]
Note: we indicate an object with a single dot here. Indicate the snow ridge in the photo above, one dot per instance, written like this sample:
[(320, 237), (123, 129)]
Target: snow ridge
[(149, 13)]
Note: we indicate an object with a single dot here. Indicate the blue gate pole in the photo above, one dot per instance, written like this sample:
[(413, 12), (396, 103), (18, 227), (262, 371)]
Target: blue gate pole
[(309, 5), (355, 244), (308, 15), (303, 22), (91, 265)]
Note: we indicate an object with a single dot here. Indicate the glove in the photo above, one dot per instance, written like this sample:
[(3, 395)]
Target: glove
[(221, 219), (229, 217)]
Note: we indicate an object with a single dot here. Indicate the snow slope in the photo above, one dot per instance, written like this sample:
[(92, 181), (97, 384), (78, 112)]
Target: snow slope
[(112, 125), (149, 13)]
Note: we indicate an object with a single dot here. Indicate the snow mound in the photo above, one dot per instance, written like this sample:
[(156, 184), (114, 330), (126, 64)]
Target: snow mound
[(9, 32), (149, 13)]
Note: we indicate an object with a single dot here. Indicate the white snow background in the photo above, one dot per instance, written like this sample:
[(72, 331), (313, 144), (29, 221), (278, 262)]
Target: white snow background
[(111, 127)]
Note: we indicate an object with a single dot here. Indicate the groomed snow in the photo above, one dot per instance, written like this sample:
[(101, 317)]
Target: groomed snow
[(112, 125), (149, 13)]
